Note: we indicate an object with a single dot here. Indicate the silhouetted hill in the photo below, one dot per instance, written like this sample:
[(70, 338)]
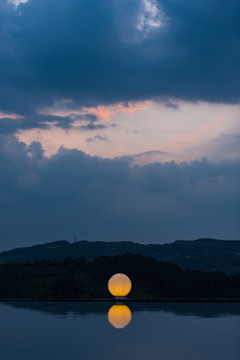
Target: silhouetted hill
[(74, 279), (202, 254)]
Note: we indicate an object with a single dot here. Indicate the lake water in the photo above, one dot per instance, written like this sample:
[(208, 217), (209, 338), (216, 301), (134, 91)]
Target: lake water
[(82, 331)]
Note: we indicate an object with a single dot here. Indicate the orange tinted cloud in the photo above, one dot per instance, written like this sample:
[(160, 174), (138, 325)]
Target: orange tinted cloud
[(105, 113)]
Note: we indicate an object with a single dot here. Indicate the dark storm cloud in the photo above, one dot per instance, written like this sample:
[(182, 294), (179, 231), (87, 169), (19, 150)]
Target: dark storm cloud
[(93, 53), (10, 126), (72, 193)]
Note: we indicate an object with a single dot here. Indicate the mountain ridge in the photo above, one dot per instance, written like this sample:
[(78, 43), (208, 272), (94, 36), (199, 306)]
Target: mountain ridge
[(202, 254)]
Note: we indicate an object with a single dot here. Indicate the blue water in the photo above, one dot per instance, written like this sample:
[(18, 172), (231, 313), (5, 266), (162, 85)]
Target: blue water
[(74, 331)]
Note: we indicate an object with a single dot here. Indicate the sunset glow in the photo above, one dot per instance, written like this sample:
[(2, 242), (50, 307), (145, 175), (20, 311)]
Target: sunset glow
[(119, 120)]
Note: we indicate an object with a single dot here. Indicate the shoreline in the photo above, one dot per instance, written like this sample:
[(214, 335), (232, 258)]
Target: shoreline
[(165, 300)]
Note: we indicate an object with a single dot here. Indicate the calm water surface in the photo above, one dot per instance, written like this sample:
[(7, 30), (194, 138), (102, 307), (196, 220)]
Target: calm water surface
[(74, 331)]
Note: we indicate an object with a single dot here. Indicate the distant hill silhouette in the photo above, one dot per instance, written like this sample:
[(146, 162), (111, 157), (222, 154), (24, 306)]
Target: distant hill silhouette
[(202, 254)]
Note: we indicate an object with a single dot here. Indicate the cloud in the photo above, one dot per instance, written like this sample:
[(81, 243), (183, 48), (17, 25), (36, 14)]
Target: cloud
[(150, 16), (145, 157), (91, 126), (171, 104), (72, 193), (96, 138), (225, 146), (17, 2), (97, 54), (9, 116), (12, 124)]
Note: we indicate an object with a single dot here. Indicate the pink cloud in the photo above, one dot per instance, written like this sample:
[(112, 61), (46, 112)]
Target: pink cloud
[(107, 112), (103, 112), (9, 116)]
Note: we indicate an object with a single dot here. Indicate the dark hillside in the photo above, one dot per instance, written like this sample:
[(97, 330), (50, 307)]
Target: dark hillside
[(202, 254), (79, 279)]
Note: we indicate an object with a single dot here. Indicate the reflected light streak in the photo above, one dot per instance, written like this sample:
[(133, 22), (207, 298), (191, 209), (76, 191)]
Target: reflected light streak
[(119, 316)]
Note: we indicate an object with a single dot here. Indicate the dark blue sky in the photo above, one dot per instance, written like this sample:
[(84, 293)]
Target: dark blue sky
[(93, 52), (67, 65)]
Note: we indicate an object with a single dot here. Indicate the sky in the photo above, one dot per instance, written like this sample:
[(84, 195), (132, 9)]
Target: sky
[(119, 120)]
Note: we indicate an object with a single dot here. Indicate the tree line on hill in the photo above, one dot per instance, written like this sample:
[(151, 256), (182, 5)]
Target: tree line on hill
[(81, 279), (202, 254)]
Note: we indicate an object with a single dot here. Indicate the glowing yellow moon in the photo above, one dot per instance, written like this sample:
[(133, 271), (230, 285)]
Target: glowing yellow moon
[(119, 285), (119, 316)]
